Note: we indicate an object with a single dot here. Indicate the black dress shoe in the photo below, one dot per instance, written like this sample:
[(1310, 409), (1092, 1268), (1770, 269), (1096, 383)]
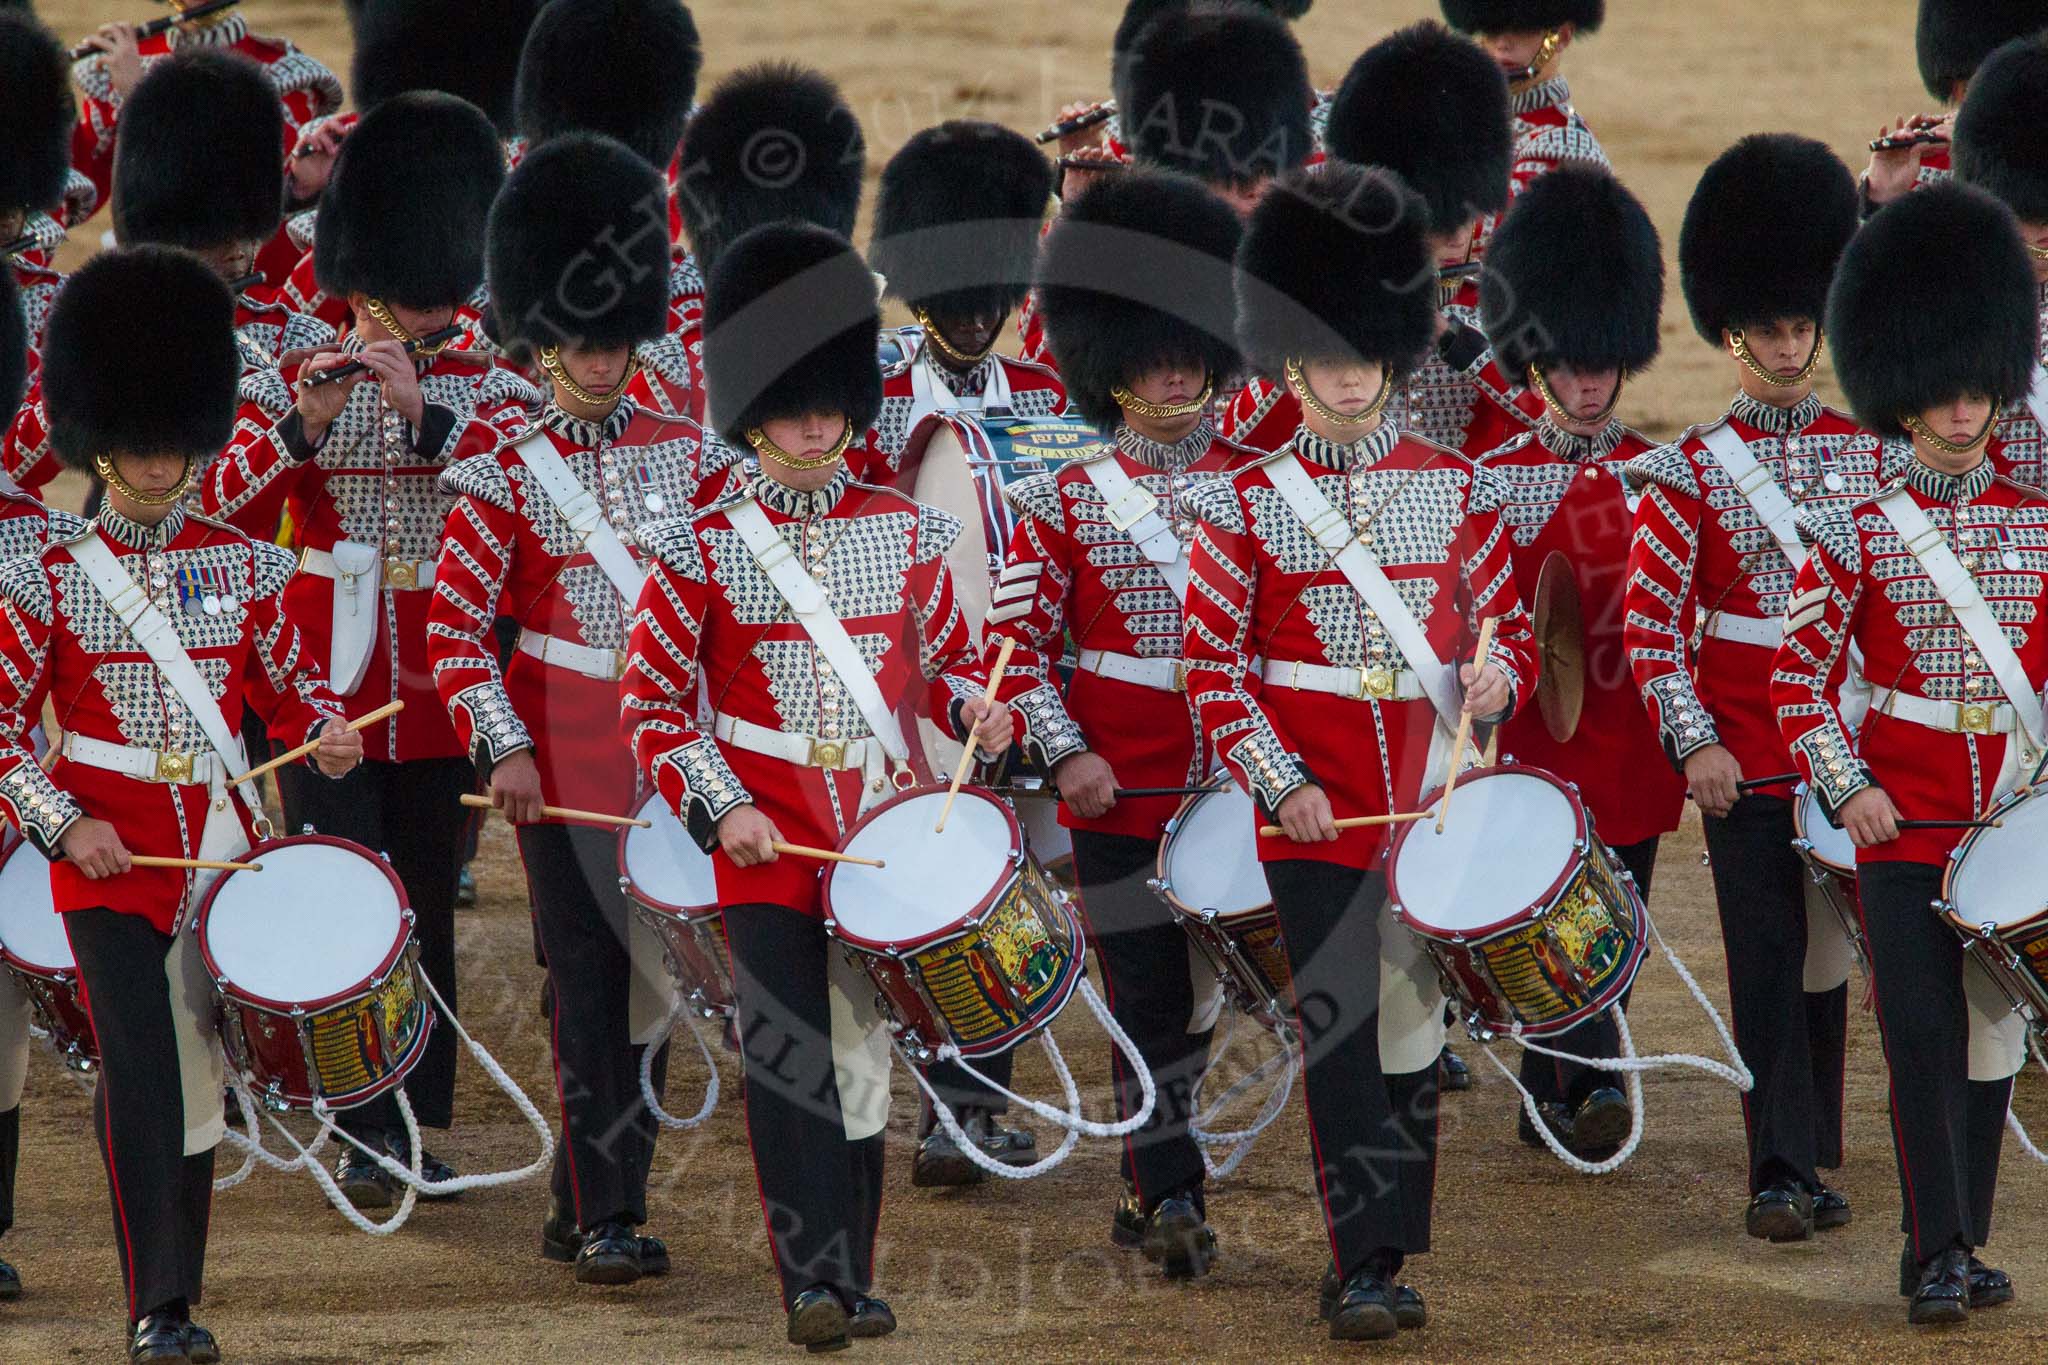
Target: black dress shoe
[(1943, 1294), (1988, 1287), (1364, 1311), (1830, 1209), (200, 1347), (1410, 1312), (1600, 1125), (1178, 1240), (940, 1164), (653, 1256), (363, 1182), (610, 1255), (1452, 1073), (818, 1321), (1780, 1213), (10, 1281), (1555, 1117), (560, 1238), (432, 1168), (159, 1337), (871, 1317), (1127, 1222), (1011, 1146)]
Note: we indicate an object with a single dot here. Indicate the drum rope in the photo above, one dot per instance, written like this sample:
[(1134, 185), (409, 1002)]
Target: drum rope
[(309, 1160), (251, 1142), (971, 1149), (1632, 1078), (679, 1013), (1071, 1119), (1201, 1126)]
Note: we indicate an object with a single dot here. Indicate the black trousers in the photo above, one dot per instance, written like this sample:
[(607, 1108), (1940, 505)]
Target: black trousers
[(1947, 1129), (821, 1193), (1372, 1136), (1793, 1042), (1568, 1083), (608, 1134), (412, 813), (10, 1157), (1143, 956), (161, 1198)]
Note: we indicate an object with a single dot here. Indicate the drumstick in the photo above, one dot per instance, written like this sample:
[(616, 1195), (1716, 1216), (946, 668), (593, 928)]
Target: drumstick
[(825, 855), (383, 712), (583, 817), (1443, 810), (195, 864), (1951, 824), (995, 679), (1750, 784), (1356, 822)]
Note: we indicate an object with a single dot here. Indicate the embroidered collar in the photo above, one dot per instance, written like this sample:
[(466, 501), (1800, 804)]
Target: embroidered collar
[(964, 384), (1553, 93), (223, 32), (584, 432), (135, 535), (1575, 449), (1773, 420), (793, 502), (1949, 488), (1172, 459), (1362, 453)]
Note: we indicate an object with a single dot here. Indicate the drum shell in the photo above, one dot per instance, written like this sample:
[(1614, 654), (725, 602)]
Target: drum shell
[(2014, 956), (1244, 947), (54, 995), (694, 948)]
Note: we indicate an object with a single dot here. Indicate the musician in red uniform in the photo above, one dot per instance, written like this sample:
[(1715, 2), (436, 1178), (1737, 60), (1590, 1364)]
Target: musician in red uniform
[(546, 529), (108, 75), (1710, 573), (800, 740), (1346, 711), (149, 694), (36, 102), (355, 464), (1941, 582), (1142, 370), (1999, 149), (1570, 299)]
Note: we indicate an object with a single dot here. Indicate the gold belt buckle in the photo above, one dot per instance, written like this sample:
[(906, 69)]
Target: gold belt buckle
[(401, 574), (826, 753), (1974, 717), (1378, 681), (1180, 675), (618, 665), (174, 768)]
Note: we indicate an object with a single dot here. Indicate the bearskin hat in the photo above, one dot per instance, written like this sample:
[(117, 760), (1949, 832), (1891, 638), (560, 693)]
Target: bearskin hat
[(404, 214), (1766, 224), (957, 218), (579, 248), (1906, 337), (1574, 275), (35, 91), (195, 158), (467, 48), (1336, 264), (648, 54), (1138, 15), (1523, 16), (1955, 36), (153, 301), (1428, 105), (790, 320), (774, 141), (13, 347), (2001, 135), (1137, 272), (1219, 90)]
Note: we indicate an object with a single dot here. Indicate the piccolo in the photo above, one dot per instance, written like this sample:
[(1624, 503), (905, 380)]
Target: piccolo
[(1077, 162), (1081, 122), (1899, 142), (1462, 271), (25, 242), (246, 282), (150, 28), (413, 347)]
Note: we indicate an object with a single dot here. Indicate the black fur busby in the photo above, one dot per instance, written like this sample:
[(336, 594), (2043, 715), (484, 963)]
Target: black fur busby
[(1934, 300), (2001, 135), (624, 68), (195, 159), (467, 48), (145, 301), (1336, 265), (35, 92), (1766, 224), (773, 141), (403, 217), (1523, 16), (1138, 15), (1218, 90), (579, 248), (790, 320), (1574, 276), (13, 347), (957, 218), (1955, 36), (1137, 273), (1428, 105)]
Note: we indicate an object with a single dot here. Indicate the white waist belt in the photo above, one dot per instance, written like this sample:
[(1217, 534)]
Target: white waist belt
[(1359, 684), (1765, 632), (1162, 675), (811, 751), (1953, 717), (400, 575), (606, 665), (145, 765)]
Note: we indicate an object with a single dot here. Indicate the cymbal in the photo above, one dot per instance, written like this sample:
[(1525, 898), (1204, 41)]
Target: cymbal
[(1561, 644)]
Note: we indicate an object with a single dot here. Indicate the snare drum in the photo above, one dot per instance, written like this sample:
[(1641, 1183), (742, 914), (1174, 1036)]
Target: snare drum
[(1830, 857), (1533, 924), (675, 892), (1210, 877), (34, 948), (964, 938), (1991, 895), (317, 972)]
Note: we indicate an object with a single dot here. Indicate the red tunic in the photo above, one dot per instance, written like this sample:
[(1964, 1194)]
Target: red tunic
[(2016, 447), (1262, 587), (1858, 586), (671, 377), (58, 638), (1566, 497), (709, 613), (1069, 571), (1547, 133)]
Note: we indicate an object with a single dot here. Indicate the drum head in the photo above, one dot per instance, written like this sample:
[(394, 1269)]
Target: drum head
[(664, 865), (319, 920), (1997, 880), (932, 881), (1832, 848), (1508, 841), (1211, 860), (31, 930)]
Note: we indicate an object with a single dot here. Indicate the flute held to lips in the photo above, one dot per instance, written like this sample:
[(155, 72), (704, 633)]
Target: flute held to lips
[(413, 347), (150, 28)]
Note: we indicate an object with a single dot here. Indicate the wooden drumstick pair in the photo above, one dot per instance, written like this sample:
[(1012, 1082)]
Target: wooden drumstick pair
[(593, 817), (988, 694)]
